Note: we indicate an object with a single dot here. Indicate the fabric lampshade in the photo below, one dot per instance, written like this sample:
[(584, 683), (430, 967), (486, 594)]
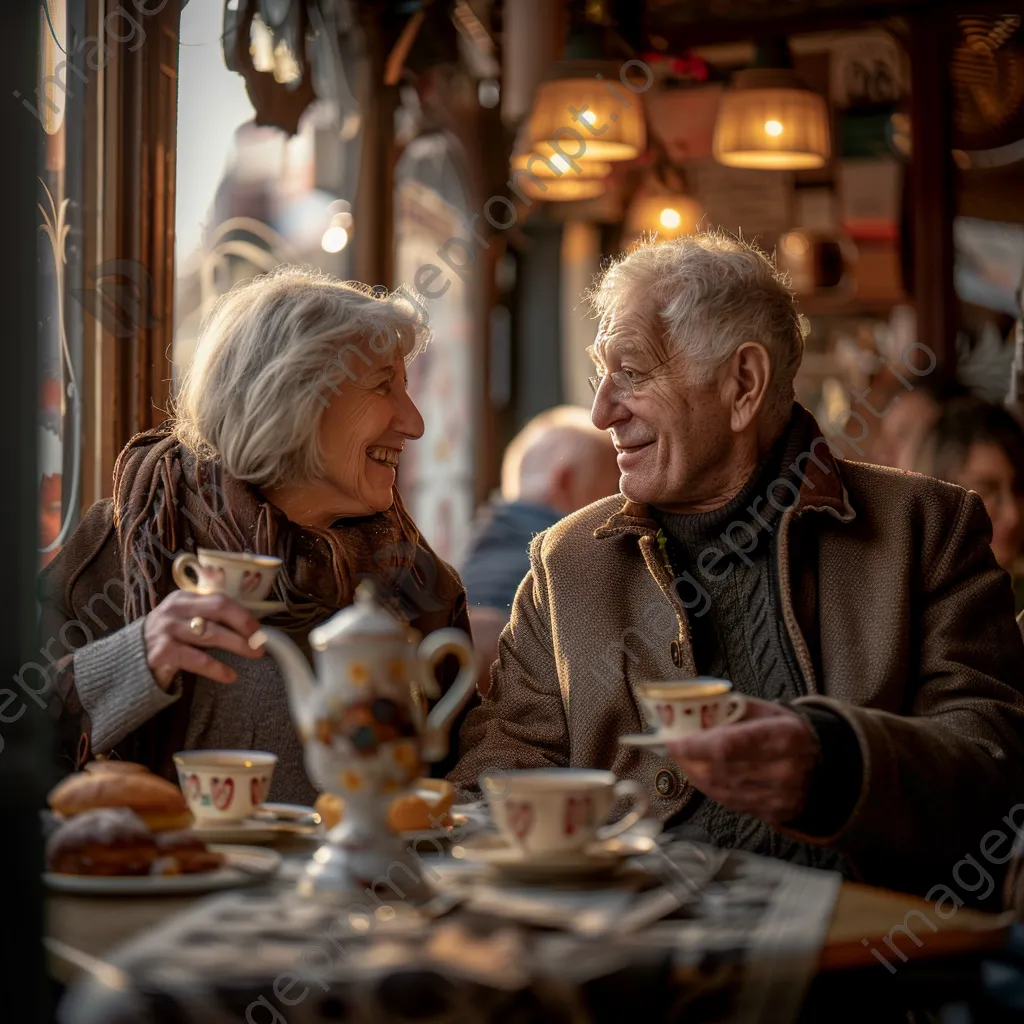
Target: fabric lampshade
[(545, 174), (560, 190), (771, 119), (608, 123)]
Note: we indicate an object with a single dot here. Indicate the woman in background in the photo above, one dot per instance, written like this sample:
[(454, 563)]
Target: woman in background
[(980, 446)]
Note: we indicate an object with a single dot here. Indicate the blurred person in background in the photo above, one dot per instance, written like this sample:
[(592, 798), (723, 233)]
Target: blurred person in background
[(980, 446), (908, 417), (558, 463)]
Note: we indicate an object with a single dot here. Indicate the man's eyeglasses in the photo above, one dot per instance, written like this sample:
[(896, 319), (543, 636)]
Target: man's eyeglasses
[(622, 382), (625, 382)]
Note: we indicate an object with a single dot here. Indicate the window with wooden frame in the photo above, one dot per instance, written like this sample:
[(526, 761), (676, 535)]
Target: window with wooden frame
[(106, 102)]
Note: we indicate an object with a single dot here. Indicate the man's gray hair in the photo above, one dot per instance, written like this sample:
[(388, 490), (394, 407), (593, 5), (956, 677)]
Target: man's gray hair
[(711, 292), (271, 354)]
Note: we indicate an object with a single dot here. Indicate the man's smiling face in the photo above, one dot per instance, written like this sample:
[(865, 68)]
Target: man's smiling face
[(672, 434)]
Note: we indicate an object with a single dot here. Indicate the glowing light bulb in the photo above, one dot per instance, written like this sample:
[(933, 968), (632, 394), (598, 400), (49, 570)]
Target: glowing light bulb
[(670, 218), (773, 127), (589, 116), (559, 163), (335, 239)]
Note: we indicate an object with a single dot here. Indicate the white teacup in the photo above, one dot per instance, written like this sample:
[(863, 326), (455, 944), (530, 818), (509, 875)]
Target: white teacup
[(224, 786), (559, 810), (677, 709), (243, 577)]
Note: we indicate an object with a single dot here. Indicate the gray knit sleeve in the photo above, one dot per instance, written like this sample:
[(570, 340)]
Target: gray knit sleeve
[(116, 687)]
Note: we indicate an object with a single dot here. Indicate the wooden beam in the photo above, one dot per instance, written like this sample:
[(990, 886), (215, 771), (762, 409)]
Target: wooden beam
[(129, 239), (374, 201)]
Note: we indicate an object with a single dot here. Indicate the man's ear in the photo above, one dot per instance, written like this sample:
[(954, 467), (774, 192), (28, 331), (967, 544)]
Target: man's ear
[(560, 488), (746, 384)]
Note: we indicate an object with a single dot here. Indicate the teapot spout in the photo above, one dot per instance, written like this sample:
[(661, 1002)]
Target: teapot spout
[(298, 677)]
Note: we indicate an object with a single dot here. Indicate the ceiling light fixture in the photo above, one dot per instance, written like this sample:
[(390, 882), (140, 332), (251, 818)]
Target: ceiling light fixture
[(770, 118)]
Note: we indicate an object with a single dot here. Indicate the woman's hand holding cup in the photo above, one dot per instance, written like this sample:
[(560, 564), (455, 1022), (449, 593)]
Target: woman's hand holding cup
[(181, 628)]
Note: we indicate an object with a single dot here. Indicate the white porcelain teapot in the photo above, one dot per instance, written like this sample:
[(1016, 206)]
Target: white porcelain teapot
[(362, 714), (364, 726)]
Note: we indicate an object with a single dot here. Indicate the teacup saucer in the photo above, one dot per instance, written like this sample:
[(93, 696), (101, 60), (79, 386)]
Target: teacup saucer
[(264, 827), (653, 741), (261, 609), (600, 857)]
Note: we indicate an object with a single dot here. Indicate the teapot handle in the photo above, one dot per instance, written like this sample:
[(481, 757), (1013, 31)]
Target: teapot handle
[(440, 643)]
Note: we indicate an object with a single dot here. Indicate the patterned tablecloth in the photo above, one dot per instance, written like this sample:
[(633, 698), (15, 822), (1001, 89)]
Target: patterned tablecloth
[(741, 946)]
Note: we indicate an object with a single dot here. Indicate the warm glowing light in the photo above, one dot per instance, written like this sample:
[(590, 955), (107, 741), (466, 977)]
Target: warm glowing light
[(548, 175), (795, 243), (770, 118), (613, 130), (666, 214), (670, 218), (335, 239)]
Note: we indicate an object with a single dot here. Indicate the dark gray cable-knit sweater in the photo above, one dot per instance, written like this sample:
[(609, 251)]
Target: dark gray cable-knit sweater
[(741, 637)]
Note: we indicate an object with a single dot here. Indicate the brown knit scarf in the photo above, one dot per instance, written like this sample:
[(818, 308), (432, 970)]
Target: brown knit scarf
[(167, 501)]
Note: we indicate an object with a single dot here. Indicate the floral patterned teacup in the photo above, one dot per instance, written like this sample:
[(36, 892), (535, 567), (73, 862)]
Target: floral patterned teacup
[(224, 786), (245, 578), (559, 810), (676, 709)]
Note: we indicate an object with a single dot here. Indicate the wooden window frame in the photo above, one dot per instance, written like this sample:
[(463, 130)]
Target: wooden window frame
[(129, 235)]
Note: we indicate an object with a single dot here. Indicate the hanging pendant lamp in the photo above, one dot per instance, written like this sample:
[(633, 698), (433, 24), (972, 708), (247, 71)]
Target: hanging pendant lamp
[(590, 105), (546, 174), (584, 111), (668, 214), (771, 119)]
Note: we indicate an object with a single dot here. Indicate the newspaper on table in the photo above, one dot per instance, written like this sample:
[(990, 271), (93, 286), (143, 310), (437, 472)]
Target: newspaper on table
[(741, 945)]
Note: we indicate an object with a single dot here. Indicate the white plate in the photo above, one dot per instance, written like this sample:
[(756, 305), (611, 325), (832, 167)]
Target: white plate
[(253, 830), (459, 823), (496, 852), (299, 813), (242, 865), (651, 740)]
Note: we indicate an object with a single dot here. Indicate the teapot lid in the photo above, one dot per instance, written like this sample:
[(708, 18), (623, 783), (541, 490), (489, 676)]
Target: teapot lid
[(365, 617)]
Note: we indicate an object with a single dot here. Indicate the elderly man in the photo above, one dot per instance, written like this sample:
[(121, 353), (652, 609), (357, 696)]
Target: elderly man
[(859, 609), (558, 463)]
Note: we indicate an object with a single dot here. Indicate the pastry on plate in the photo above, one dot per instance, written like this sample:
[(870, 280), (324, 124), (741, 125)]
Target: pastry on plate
[(331, 809), (426, 807), (105, 841), (183, 853), (156, 801)]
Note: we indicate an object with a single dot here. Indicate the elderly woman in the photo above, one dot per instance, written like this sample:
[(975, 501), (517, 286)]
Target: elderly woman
[(286, 440)]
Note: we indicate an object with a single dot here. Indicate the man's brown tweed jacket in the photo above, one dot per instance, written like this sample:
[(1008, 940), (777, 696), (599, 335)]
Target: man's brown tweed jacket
[(901, 621)]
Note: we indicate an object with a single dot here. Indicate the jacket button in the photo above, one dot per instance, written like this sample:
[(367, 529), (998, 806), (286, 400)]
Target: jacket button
[(666, 783), (677, 654)]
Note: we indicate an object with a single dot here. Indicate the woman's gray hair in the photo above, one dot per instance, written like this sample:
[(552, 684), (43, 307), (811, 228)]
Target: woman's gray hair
[(269, 355), (711, 292)]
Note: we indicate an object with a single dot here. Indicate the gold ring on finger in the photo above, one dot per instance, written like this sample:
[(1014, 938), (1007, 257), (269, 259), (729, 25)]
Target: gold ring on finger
[(197, 625)]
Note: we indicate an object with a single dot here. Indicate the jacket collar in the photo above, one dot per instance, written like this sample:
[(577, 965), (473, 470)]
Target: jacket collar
[(821, 488)]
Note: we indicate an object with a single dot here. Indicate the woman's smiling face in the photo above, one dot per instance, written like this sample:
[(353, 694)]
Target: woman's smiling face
[(362, 433)]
